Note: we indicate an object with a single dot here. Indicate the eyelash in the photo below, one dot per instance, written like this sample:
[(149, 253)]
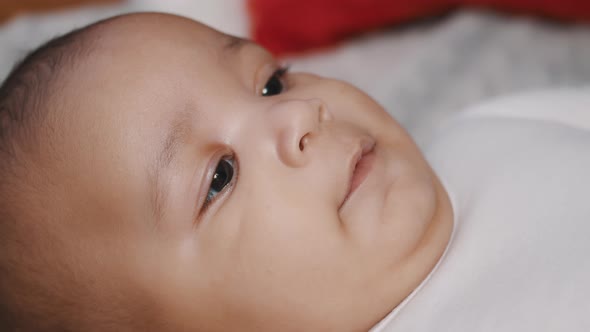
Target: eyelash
[(234, 178), (278, 74)]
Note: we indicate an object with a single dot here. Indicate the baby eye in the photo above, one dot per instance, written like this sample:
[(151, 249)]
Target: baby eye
[(222, 177), (274, 85)]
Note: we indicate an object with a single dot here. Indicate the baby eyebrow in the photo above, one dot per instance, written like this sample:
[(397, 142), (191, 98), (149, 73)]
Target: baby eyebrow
[(235, 44), (179, 130)]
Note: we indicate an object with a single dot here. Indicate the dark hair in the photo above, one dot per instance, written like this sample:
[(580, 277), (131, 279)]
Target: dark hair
[(28, 98), (41, 285)]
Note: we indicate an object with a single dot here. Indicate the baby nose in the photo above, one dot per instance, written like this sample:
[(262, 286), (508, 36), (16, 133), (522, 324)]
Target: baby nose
[(298, 123)]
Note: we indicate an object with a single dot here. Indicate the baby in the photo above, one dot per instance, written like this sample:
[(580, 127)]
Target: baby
[(158, 175)]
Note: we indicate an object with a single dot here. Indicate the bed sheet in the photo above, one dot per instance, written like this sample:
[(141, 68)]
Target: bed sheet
[(422, 73)]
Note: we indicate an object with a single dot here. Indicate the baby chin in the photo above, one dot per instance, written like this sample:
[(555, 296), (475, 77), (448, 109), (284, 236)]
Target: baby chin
[(393, 199)]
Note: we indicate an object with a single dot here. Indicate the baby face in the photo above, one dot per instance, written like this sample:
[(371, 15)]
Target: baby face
[(230, 191)]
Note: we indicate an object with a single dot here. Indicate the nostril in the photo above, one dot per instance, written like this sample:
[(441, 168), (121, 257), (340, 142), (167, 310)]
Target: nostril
[(303, 142)]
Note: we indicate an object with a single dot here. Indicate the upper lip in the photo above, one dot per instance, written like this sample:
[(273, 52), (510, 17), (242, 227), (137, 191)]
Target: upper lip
[(365, 146)]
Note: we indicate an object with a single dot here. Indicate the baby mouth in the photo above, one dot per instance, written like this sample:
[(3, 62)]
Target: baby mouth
[(362, 165)]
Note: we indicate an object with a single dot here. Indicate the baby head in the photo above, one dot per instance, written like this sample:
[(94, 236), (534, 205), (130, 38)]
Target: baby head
[(160, 175)]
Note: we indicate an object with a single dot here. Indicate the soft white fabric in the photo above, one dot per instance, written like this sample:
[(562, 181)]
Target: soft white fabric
[(518, 172)]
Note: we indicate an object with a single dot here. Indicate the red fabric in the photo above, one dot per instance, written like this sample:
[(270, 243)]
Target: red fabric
[(286, 26)]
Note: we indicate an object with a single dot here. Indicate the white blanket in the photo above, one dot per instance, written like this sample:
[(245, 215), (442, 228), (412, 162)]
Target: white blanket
[(517, 170)]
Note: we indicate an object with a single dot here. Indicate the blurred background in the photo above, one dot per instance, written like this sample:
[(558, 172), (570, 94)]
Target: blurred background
[(423, 62)]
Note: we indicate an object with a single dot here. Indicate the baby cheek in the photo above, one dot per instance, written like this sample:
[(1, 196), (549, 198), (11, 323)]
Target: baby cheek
[(286, 222)]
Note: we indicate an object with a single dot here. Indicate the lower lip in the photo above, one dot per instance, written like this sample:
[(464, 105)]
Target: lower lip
[(363, 168)]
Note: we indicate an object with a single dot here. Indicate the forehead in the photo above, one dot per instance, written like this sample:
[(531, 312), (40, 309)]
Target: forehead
[(144, 29), (157, 41), (163, 63), (160, 63), (144, 57)]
